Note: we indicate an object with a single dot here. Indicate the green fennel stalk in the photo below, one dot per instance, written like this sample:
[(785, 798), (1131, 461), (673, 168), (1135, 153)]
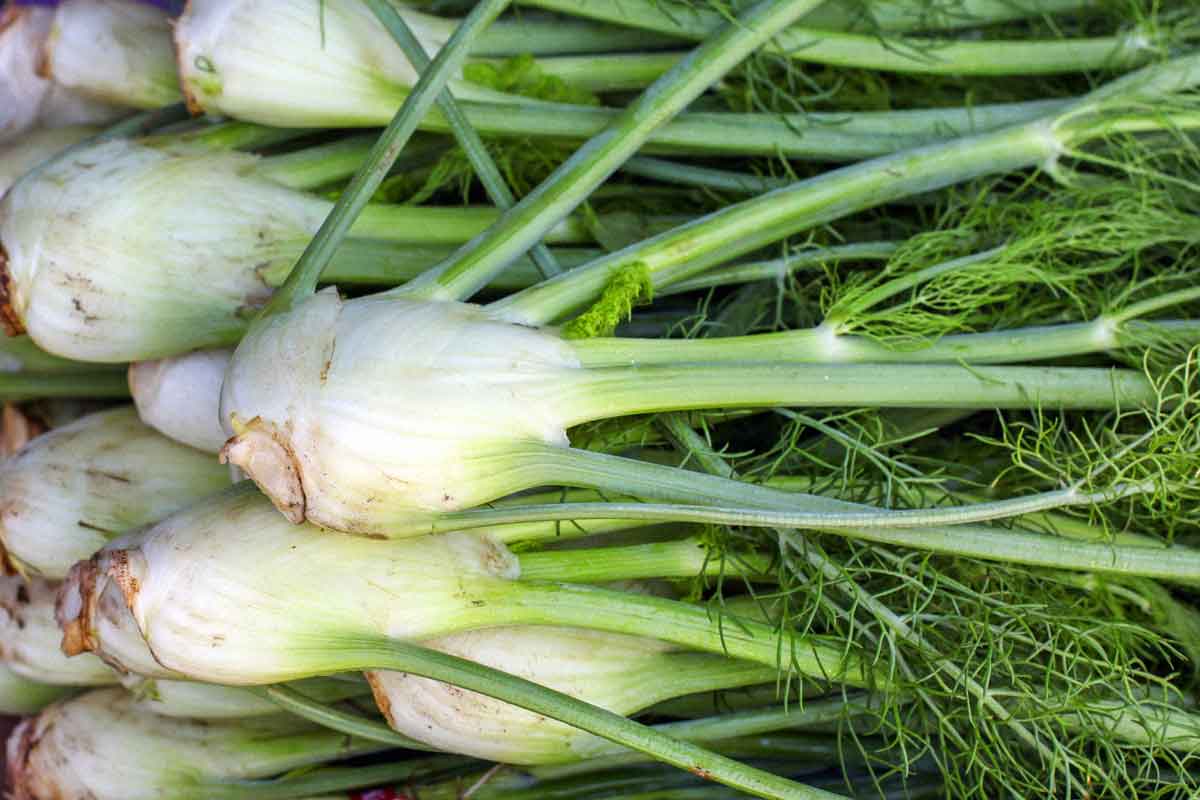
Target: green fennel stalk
[(603, 154), (746, 226), (913, 54)]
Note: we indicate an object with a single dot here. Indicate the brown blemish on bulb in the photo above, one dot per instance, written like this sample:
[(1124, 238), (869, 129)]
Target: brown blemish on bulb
[(119, 570), (75, 607), (9, 317), (263, 454)]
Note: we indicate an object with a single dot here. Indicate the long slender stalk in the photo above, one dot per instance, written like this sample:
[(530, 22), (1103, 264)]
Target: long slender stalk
[(942, 56), (302, 281), (313, 167), (687, 558), (335, 719), (610, 72), (779, 268), (485, 168), (1178, 563), (19, 386), (576, 467), (372, 262), (824, 345), (620, 391), (744, 227), (703, 177), (569, 185), (812, 136), (895, 16), (227, 135), (401, 657)]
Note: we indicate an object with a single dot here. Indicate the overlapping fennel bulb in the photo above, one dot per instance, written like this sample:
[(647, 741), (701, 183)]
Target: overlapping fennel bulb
[(112, 634), (117, 51), (180, 397), (429, 427), (26, 98), (29, 638), (74, 488), (318, 63), (124, 251), (623, 674), (99, 745), (223, 591)]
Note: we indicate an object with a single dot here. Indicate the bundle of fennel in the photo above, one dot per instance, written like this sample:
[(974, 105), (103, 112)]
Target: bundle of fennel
[(676, 398)]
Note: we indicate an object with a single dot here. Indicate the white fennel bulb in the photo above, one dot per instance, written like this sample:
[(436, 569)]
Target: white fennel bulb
[(180, 396), (101, 746), (29, 637), (428, 427), (27, 99), (124, 251), (223, 591), (117, 51), (297, 62), (74, 488), (623, 674)]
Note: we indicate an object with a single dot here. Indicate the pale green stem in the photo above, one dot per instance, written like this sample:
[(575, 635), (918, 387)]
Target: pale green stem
[(437, 225), (824, 345), (20, 354), (744, 227), (896, 16), (813, 136), (527, 222), (303, 279), (544, 35), (20, 386), (400, 657), (757, 222), (228, 135), (1151, 305), (687, 558), (621, 391), (468, 140), (780, 268), (594, 470), (313, 167), (726, 726), (704, 177), (608, 72), (1177, 563), (939, 56), (335, 719), (374, 262)]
